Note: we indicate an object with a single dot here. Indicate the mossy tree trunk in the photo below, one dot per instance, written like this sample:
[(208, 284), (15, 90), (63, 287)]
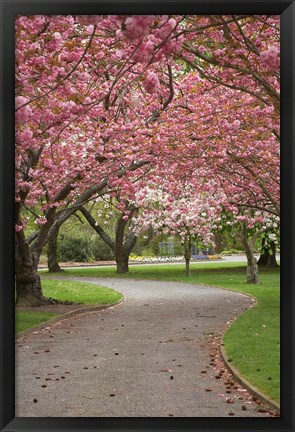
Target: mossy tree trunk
[(218, 245), (53, 265), (248, 245), (28, 252), (28, 284), (187, 245), (268, 256)]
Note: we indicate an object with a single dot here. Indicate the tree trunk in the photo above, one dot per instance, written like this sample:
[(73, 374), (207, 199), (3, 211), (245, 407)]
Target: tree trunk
[(28, 289), (122, 265), (53, 265), (252, 270), (252, 267), (121, 257), (266, 258), (124, 243), (28, 285), (187, 255), (187, 269), (218, 246)]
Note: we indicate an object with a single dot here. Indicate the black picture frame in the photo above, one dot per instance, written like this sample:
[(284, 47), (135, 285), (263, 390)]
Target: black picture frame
[(9, 9)]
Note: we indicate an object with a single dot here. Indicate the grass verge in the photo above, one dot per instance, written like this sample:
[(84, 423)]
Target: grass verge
[(253, 340), (27, 319), (77, 292), (80, 292)]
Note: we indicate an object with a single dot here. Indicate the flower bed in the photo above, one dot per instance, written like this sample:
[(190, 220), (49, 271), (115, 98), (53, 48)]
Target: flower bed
[(153, 259)]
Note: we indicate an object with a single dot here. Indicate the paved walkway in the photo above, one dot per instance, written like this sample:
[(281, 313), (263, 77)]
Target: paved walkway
[(152, 355)]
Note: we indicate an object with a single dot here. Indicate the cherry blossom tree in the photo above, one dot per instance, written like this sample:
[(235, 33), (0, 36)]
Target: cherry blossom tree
[(91, 92), (237, 52), (232, 137), (72, 141), (188, 215)]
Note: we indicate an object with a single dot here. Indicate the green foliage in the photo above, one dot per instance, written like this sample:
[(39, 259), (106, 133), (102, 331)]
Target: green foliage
[(231, 238), (83, 249), (78, 242), (231, 252), (148, 244), (74, 249), (100, 250)]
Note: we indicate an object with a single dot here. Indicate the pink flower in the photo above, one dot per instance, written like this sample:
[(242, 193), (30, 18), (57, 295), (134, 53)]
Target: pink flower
[(236, 124), (167, 29), (47, 163), (56, 42), (24, 113), (89, 19), (57, 36), (138, 25), (145, 51), (151, 83), (18, 227), (271, 58), (41, 221), (20, 100), (125, 217)]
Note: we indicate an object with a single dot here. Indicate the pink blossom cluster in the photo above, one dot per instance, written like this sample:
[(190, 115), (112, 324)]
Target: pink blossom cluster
[(151, 83), (271, 58), (55, 43), (165, 30), (144, 51), (24, 137), (173, 46), (23, 113), (137, 25), (96, 122), (41, 220), (89, 19)]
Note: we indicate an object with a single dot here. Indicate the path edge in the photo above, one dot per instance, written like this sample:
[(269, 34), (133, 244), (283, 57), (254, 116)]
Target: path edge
[(235, 372), (62, 317), (244, 382)]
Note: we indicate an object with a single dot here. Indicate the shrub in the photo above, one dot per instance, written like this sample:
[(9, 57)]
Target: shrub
[(77, 249), (100, 250), (231, 252), (83, 249)]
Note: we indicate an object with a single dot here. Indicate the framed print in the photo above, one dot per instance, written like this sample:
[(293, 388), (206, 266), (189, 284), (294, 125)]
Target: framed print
[(146, 264)]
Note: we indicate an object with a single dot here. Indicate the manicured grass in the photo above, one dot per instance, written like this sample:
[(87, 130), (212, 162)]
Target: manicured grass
[(253, 340), (27, 319), (80, 292), (77, 292), (253, 344)]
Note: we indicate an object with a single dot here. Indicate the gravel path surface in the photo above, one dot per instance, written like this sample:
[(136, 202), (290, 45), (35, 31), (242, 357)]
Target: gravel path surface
[(156, 354)]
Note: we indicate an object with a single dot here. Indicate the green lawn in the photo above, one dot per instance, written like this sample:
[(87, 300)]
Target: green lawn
[(80, 292), (77, 292), (253, 341), (27, 319)]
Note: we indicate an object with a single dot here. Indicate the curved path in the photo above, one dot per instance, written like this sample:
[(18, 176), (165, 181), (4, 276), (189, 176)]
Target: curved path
[(151, 355)]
